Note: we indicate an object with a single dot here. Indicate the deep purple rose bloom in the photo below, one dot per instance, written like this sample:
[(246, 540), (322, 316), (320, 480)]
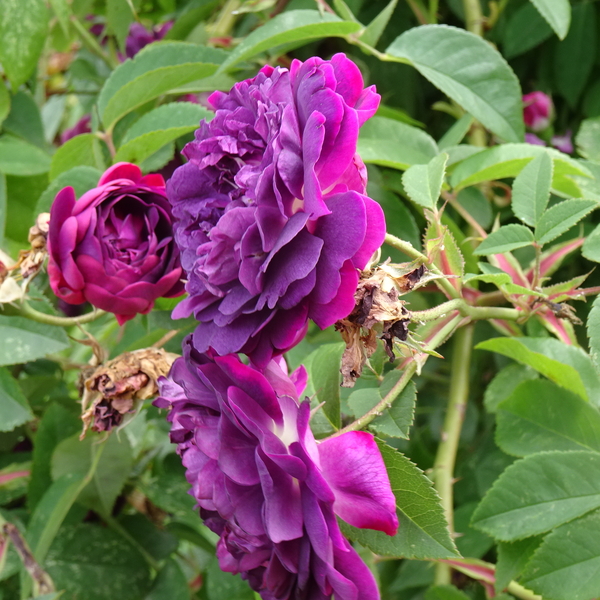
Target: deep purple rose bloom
[(537, 110), (82, 126), (139, 37), (271, 216), (266, 487), (114, 246)]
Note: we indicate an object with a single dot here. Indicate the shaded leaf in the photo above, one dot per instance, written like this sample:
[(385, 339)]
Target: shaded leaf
[(18, 157), (561, 217), (82, 150), (593, 331), (512, 558), (557, 13), (376, 27), (504, 383), (507, 238), (81, 179), (423, 183), (4, 102), (531, 190), (567, 564), (538, 493), (525, 30), (390, 143), (540, 416), (14, 408), (24, 340), (454, 61), (23, 27), (170, 583), (118, 18), (292, 28)]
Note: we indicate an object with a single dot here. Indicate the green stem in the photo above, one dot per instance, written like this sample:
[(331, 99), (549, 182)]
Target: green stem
[(90, 42), (476, 313), (409, 371), (408, 249), (40, 317), (473, 16), (225, 21), (443, 468), (433, 10)]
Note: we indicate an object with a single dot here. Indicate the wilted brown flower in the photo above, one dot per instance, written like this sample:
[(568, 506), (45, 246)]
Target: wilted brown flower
[(114, 389), (31, 261)]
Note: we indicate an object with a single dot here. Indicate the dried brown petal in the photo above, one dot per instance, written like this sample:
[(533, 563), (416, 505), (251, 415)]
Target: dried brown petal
[(114, 389)]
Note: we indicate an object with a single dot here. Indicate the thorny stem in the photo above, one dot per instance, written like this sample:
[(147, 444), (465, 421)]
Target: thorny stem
[(408, 249), (409, 370), (443, 467), (40, 317), (476, 313)]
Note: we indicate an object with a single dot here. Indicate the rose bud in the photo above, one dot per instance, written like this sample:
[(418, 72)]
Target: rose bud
[(114, 246), (537, 110)]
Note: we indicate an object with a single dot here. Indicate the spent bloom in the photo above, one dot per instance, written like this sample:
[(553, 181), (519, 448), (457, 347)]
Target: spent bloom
[(563, 142), (114, 246), (271, 214), (266, 487), (537, 110)]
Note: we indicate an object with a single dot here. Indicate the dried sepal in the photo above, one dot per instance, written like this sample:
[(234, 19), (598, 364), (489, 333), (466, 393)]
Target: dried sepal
[(116, 388)]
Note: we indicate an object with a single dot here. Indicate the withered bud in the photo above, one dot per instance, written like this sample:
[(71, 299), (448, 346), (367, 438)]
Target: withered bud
[(564, 311), (31, 261), (378, 304), (115, 388)]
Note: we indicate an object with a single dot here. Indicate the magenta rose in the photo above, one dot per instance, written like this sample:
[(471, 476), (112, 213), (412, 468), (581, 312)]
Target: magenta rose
[(271, 213), (114, 246), (537, 110)]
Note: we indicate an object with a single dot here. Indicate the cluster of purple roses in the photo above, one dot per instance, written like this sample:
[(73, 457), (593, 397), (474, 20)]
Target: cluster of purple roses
[(270, 224)]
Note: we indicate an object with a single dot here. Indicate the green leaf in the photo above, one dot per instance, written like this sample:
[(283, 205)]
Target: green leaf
[(170, 583), (18, 157), (81, 179), (75, 456), (512, 558), (155, 70), (25, 120), (525, 30), (565, 365), (591, 246), (23, 28), (540, 416), (423, 532), (159, 127), (292, 28), (221, 585), (561, 217), (567, 564), (574, 57), (82, 150), (118, 18), (593, 331), (423, 183), (538, 493), (3, 208), (469, 71), (92, 562), (445, 592), (557, 13), (507, 238), (457, 132), (504, 383), (390, 143), (477, 205), (394, 421), (376, 27), (447, 255), (56, 425), (507, 160), (4, 102), (323, 366), (51, 511), (159, 543), (14, 407), (24, 340), (531, 190), (587, 139)]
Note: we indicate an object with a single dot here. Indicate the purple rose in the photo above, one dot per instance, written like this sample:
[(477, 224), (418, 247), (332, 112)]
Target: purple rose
[(531, 138), (537, 110), (266, 487), (564, 142), (114, 246), (270, 212), (139, 37), (82, 126)]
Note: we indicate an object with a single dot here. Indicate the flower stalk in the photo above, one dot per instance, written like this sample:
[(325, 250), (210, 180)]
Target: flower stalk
[(443, 468), (40, 317)]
